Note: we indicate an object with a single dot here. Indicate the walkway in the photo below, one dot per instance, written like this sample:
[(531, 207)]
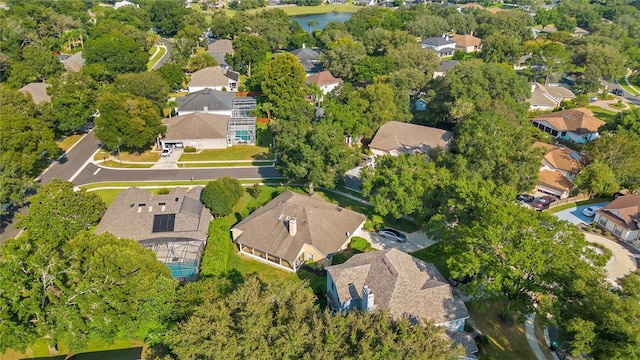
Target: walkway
[(529, 328)]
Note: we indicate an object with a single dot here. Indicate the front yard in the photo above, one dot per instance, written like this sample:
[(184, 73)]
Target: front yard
[(602, 114), (238, 152)]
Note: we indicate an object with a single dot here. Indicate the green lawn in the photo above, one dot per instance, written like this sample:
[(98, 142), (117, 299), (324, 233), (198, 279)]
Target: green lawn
[(300, 10), (635, 81), (238, 152), (602, 114), (507, 339), (157, 57), (147, 156), (117, 164), (68, 142), (96, 350)]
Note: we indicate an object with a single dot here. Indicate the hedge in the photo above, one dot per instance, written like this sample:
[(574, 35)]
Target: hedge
[(216, 254)]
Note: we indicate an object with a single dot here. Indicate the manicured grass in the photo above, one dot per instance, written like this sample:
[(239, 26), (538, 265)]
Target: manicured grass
[(162, 50), (224, 164), (619, 106), (178, 94), (602, 114), (507, 339), (437, 255), (97, 350), (68, 142), (147, 156), (238, 152), (627, 88), (362, 208), (107, 195), (117, 164), (169, 184), (302, 10)]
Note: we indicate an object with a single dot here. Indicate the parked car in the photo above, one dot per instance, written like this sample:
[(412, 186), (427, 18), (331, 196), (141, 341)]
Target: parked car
[(166, 152), (543, 202), (525, 198), (367, 161), (392, 234), (618, 92), (591, 210)]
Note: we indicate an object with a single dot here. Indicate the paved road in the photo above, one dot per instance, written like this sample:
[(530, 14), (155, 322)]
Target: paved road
[(627, 96), (93, 173), (64, 168), (166, 56)]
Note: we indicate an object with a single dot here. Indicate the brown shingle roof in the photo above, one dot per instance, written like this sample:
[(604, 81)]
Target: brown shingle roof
[(38, 92), (220, 47), (74, 63), (320, 224), (561, 157), (579, 121), (196, 126), (404, 285), (323, 78), (213, 76), (466, 40), (132, 213), (624, 209), (397, 135), (554, 179)]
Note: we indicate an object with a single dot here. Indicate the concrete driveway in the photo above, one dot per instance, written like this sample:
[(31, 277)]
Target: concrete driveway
[(575, 216), (622, 261), (169, 162), (415, 241), (352, 179)]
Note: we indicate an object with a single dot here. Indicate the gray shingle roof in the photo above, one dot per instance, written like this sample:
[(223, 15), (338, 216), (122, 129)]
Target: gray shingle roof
[(308, 58), (402, 284), (395, 135), (196, 126), (321, 224), (133, 211), (446, 65), (222, 46), (211, 99), (438, 41)]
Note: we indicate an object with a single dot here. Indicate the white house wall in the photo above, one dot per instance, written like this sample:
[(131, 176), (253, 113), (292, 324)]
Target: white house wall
[(562, 194)]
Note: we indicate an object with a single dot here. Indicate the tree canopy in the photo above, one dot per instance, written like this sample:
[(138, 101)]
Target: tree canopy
[(221, 195), (118, 53)]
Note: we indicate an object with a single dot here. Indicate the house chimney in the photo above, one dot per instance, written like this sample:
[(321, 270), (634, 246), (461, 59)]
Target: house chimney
[(367, 299), (293, 227)]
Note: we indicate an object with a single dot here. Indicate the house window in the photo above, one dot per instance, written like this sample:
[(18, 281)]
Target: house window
[(554, 132), (310, 257), (617, 230), (602, 221), (564, 133)]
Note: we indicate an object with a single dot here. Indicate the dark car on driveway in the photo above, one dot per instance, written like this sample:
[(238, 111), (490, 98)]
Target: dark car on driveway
[(543, 202), (392, 234), (525, 198)]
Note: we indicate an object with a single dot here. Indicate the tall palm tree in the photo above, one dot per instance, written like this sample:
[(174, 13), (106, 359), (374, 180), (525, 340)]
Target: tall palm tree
[(312, 23)]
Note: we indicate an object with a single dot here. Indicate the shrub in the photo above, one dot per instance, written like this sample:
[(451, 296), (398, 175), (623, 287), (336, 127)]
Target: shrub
[(190, 149), (163, 191), (214, 260), (359, 244), (482, 340), (374, 223), (255, 190), (221, 195)]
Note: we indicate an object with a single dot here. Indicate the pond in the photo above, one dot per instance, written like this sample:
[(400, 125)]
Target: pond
[(322, 19)]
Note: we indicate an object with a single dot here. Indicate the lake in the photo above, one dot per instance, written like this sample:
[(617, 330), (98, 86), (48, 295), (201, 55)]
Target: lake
[(322, 19)]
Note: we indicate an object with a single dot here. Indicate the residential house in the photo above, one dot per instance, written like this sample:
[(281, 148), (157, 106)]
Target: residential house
[(579, 32), (467, 43), (120, 4), (365, 2), (74, 62), (445, 65), (469, 6), (548, 97), (174, 226), (207, 101), (396, 138), (444, 46), (550, 29), (308, 58), (391, 280), (219, 49), (294, 228), (325, 81), (215, 78), (558, 169), (577, 125), (38, 92), (622, 218), (198, 130)]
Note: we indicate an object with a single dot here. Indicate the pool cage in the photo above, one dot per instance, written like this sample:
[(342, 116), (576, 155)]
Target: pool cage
[(181, 255), (242, 124)]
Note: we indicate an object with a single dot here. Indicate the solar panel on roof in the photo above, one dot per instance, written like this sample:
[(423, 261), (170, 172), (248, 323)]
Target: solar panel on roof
[(164, 222)]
